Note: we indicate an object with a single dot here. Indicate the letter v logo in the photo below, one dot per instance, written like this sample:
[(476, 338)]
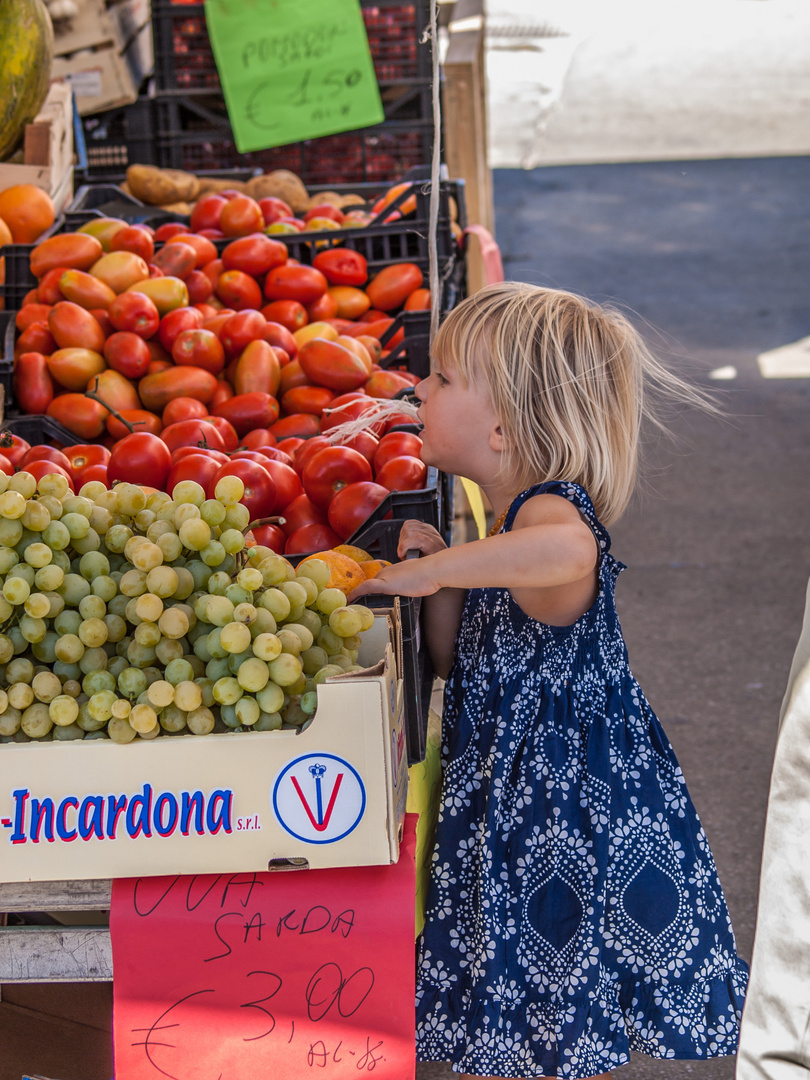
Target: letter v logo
[(319, 819), (319, 798)]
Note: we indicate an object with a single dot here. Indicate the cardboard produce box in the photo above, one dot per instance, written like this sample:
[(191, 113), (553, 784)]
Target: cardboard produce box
[(331, 795), (47, 151)]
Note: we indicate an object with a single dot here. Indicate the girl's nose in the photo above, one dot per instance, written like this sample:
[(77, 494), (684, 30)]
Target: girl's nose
[(421, 390)]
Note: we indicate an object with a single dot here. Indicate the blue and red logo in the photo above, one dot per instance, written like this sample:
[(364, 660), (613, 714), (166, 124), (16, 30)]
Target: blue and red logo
[(319, 798)]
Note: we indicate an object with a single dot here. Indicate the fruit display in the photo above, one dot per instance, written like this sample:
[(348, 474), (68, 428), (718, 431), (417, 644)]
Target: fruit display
[(26, 52), (128, 614)]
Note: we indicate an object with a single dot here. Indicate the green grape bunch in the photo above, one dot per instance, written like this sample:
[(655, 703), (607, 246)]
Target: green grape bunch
[(130, 615)]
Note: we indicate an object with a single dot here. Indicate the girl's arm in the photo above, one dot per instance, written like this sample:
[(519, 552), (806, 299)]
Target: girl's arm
[(548, 561)]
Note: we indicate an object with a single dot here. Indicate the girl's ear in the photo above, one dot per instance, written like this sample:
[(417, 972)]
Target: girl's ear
[(496, 438)]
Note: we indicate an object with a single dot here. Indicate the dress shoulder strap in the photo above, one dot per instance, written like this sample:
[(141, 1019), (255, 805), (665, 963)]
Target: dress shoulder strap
[(575, 494)]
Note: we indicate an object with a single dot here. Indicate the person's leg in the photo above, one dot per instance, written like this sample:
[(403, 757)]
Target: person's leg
[(465, 1076)]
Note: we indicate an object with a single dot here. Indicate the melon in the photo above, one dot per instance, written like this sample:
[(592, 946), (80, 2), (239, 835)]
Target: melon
[(26, 53)]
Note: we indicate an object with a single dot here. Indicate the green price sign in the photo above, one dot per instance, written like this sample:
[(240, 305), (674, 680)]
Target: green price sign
[(293, 69)]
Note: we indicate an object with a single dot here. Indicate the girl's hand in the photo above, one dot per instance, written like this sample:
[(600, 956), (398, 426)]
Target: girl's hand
[(418, 536), (412, 577)]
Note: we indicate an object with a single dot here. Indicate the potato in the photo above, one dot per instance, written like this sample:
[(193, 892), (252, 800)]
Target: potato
[(177, 208), (283, 185), (158, 187), (210, 185)]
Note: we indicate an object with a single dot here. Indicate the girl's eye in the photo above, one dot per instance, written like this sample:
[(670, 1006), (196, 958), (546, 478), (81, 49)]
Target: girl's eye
[(441, 378)]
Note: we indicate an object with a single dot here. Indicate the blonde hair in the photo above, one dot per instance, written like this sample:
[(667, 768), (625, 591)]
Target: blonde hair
[(567, 379)]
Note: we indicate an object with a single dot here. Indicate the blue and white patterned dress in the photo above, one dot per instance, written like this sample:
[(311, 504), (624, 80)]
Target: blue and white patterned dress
[(574, 911)]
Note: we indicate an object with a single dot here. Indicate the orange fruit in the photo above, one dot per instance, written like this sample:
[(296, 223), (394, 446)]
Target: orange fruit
[(353, 552), (346, 572), (372, 567), (28, 211), (5, 234)]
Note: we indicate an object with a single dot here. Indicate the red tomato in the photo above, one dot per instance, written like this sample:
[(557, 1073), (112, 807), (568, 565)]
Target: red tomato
[(140, 458), (169, 229), (84, 456), (200, 349), (307, 399), (270, 536), (195, 466), (241, 216), (272, 453), (141, 420), (312, 537), (223, 392), (365, 442), (260, 491), (134, 238), (85, 290), (290, 445), (272, 209), (176, 259), (192, 433), (280, 338), (212, 270), (393, 285), (402, 474), (41, 468), (128, 354), (184, 408), (206, 212), (74, 327), (48, 291), (330, 470), (45, 453), (351, 302), (249, 411), (103, 321), (258, 368), (342, 266), (199, 288), (302, 511), (13, 447), (324, 210), (386, 384), (299, 425), (290, 282), (76, 251), (205, 248), (238, 290), (31, 313), (330, 364), (288, 486), (238, 330), (79, 414), (258, 437), (396, 444), (175, 322), (33, 386), (347, 407), (134, 312), (7, 468), (94, 472), (309, 449), (289, 313), (353, 505), (219, 456), (325, 307), (35, 338), (248, 455), (255, 254), (226, 430), (418, 300)]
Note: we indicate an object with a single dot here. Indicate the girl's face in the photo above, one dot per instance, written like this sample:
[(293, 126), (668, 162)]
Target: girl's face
[(461, 433)]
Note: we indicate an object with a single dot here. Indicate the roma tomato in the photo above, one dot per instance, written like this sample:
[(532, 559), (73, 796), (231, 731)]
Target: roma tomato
[(31, 313), (176, 259), (140, 458), (273, 208), (290, 446), (260, 491), (254, 255), (48, 291), (85, 290), (249, 411), (140, 419), (184, 408), (386, 384), (167, 293), (79, 414), (33, 387), (238, 290), (199, 467), (258, 369), (330, 364), (120, 269), (280, 338), (241, 216), (204, 247), (325, 307), (223, 392), (199, 288), (342, 266), (302, 511), (114, 390), (127, 353), (134, 238), (206, 212), (289, 313), (135, 313), (77, 251), (402, 474), (199, 348), (353, 505), (74, 327), (36, 337), (273, 453), (330, 470), (419, 300), (169, 229), (237, 331), (175, 322), (307, 399), (351, 302), (258, 437), (393, 285), (298, 425), (291, 282), (74, 368), (157, 390), (192, 433), (312, 537)]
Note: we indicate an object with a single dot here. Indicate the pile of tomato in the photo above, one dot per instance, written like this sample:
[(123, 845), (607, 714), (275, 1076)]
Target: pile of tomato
[(170, 360)]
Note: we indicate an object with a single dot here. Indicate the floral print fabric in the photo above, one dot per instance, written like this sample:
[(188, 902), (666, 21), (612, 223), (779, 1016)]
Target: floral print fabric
[(574, 912)]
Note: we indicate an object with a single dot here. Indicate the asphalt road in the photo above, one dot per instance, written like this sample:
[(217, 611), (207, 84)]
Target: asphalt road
[(713, 260)]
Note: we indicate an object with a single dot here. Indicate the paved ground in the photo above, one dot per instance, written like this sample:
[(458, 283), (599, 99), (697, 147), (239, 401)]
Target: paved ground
[(713, 256)]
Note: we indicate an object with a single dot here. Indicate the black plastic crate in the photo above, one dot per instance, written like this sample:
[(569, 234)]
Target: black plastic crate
[(184, 60), (117, 138), (19, 279), (39, 430), (8, 334)]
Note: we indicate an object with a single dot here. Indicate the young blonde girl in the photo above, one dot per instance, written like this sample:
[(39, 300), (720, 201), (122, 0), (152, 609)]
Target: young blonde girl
[(575, 912)]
